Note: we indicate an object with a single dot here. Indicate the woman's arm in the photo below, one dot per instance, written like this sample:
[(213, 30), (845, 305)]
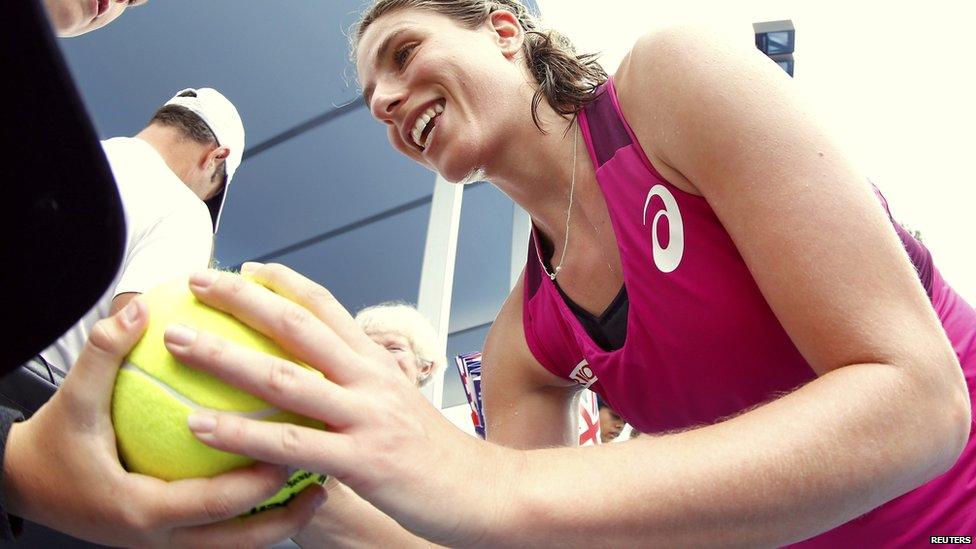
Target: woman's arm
[(890, 408), (525, 405)]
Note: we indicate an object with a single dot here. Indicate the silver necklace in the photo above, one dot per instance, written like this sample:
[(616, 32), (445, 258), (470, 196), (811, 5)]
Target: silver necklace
[(569, 213)]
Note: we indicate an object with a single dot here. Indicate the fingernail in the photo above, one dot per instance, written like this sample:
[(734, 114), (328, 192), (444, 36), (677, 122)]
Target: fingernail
[(203, 279), (201, 423), (319, 498), (131, 312), (179, 335), (249, 267)]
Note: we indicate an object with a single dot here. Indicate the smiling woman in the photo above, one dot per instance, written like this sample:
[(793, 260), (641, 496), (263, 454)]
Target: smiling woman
[(727, 280), (76, 17)]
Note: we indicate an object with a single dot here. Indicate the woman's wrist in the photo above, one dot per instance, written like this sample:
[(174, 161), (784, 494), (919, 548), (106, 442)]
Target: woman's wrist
[(498, 500)]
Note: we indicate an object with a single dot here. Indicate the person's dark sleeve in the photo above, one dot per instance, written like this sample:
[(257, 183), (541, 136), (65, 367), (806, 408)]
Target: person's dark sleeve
[(10, 526), (64, 217)]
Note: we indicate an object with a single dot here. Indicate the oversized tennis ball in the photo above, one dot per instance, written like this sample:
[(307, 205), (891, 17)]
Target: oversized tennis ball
[(154, 394)]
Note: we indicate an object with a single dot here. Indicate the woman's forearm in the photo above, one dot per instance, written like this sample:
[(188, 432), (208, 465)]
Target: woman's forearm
[(812, 460)]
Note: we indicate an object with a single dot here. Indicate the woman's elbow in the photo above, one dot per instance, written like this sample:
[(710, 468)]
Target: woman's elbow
[(952, 416), (937, 411), (959, 419)]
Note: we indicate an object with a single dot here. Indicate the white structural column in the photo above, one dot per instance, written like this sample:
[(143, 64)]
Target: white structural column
[(437, 274), (521, 228)]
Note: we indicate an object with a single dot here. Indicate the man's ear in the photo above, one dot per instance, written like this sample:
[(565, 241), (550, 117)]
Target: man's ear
[(509, 34), (218, 153)]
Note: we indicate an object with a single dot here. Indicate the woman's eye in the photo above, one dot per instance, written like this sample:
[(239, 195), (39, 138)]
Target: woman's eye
[(400, 56)]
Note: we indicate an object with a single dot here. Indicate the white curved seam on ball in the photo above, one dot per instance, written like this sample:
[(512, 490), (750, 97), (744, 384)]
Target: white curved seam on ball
[(258, 414)]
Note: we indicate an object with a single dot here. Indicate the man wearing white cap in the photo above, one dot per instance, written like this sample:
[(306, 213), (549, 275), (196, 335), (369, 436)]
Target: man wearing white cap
[(172, 178)]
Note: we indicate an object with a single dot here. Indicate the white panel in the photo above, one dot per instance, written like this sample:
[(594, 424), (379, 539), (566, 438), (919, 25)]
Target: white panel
[(521, 228), (437, 276)]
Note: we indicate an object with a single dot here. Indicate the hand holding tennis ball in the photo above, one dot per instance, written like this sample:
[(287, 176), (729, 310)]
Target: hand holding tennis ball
[(154, 395)]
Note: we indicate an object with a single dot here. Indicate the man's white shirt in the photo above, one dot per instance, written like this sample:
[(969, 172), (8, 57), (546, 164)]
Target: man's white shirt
[(168, 234)]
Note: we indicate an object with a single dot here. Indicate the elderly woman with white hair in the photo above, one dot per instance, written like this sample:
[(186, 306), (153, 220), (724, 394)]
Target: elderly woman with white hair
[(402, 330)]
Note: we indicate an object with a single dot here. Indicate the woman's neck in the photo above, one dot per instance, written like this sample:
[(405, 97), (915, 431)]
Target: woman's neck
[(535, 169)]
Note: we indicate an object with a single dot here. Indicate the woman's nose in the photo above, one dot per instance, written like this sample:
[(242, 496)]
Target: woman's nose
[(385, 105)]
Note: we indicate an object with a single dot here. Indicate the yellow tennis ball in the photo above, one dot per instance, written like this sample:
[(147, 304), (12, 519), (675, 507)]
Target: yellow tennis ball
[(154, 394)]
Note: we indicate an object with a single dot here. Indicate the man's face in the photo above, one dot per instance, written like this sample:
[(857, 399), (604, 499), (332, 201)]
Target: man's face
[(75, 17)]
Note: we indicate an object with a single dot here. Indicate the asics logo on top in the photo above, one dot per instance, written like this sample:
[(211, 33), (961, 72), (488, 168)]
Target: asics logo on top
[(666, 259)]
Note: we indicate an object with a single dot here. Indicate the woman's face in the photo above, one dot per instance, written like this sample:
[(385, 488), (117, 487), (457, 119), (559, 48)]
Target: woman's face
[(441, 88), (399, 346), (74, 17)]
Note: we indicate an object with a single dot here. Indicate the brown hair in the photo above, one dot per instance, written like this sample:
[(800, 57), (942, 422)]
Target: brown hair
[(566, 79), (191, 127)]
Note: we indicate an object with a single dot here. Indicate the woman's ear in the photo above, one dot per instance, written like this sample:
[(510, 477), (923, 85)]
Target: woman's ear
[(425, 368), (509, 34)]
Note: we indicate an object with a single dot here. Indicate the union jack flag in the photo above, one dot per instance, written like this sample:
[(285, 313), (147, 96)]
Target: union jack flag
[(469, 366)]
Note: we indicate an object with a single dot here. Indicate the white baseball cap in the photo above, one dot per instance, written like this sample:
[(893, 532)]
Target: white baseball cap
[(226, 124)]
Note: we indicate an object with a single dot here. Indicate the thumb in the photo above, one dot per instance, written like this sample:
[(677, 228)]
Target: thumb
[(91, 380)]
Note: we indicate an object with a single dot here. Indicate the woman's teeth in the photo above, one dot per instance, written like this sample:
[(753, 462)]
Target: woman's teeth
[(422, 123), (430, 137)]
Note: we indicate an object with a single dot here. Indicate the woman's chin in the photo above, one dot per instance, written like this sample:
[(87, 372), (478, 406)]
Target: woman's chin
[(459, 161), (462, 175)]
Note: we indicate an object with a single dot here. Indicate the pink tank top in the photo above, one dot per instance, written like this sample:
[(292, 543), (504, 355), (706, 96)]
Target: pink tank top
[(702, 343)]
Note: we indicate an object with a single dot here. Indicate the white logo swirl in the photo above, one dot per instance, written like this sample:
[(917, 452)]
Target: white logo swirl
[(666, 259)]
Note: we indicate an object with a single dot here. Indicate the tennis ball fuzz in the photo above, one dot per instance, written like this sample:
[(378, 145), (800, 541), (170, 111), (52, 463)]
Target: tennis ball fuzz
[(154, 394)]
